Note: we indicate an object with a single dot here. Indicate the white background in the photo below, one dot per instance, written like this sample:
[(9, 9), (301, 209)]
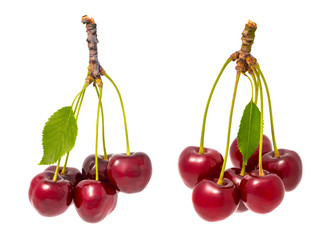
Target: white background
[(164, 57)]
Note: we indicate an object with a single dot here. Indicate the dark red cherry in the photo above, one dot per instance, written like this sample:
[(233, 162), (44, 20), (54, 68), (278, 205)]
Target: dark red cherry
[(261, 194), (94, 200), (34, 182), (288, 166), (88, 167), (233, 174), (214, 202), (194, 166), (50, 198), (73, 175), (129, 174), (237, 158)]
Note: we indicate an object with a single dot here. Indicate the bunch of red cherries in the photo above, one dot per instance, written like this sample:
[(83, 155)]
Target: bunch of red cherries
[(261, 173), (260, 194), (94, 190), (93, 200)]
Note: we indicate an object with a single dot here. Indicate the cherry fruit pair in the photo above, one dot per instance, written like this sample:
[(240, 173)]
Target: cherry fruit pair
[(261, 173)]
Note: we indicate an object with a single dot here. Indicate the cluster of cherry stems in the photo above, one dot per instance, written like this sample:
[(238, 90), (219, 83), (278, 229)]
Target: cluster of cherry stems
[(258, 185), (93, 191)]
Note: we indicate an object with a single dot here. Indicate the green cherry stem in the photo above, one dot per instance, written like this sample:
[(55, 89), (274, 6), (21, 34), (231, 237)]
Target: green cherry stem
[(256, 87), (201, 149), (79, 97), (251, 85), (80, 104), (102, 118), (55, 176), (63, 171), (77, 108), (96, 137), (123, 110), (261, 173), (242, 173), (77, 103), (79, 94), (270, 111), (221, 177)]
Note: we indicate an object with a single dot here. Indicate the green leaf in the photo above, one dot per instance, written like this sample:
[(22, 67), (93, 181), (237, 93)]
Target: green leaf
[(249, 131), (59, 135)]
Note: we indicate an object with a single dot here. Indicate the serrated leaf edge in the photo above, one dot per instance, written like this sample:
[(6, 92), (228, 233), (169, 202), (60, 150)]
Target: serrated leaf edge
[(248, 134), (42, 162)]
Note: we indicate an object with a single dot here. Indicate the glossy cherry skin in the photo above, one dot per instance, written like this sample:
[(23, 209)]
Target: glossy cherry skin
[(261, 194), (88, 167), (129, 174), (288, 166), (73, 175), (214, 202), (237, 158), (233, 174), (194, 166), (50, 198), (94, 200)]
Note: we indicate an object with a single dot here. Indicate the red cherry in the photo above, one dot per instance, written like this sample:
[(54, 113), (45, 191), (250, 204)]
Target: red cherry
[(288, 166), (129, 174), (73, 175), (261, 194), (194, 166), (50, 198), (94, 200), (88, 167), (34, 182), (214, 202), (233, 174), (237, 158)]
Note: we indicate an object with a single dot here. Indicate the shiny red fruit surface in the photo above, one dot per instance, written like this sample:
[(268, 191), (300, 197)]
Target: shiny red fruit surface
[(214, 202), (73, 175), (194, 166), (129, 174), (88, 167), (288, 166), (94, 200), (233, 174), (50, 198), (261, 194)]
